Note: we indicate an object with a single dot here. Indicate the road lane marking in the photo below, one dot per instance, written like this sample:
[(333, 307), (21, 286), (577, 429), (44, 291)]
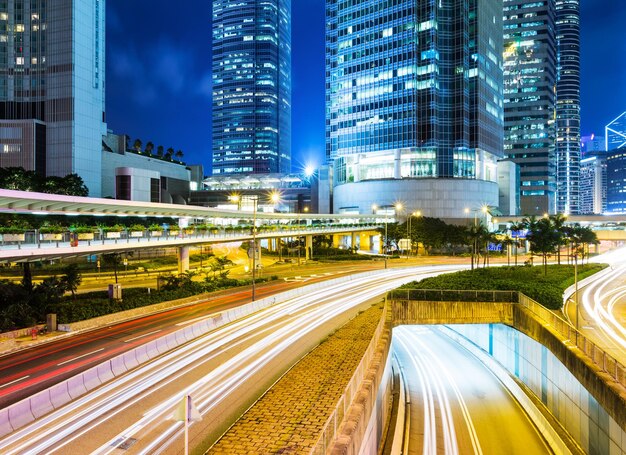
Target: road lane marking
[(80, 357), (14, 381), (141, 336), (201, 318)]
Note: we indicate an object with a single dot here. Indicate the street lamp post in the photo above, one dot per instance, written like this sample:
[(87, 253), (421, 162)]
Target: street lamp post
[(254, 250)]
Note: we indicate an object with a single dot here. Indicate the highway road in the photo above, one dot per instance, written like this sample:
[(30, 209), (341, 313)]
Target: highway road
[(28, 371), (602, 307), (224, 372), (457, 405)]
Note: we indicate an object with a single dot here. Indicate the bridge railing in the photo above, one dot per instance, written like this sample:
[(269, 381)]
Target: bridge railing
[(31, 239), (596, 354), (448, 295), (334, 421)]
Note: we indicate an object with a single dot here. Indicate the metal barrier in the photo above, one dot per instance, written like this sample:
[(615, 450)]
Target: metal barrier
[(447, 295), (601, 359), (334, 421)]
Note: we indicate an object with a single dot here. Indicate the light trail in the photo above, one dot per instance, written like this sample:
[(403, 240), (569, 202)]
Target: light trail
[(141, 401), (464, 404)]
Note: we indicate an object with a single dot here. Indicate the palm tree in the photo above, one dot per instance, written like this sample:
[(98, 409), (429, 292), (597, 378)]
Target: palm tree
[(558, 224), (169, 154), (71, 279), (160, 150), (476, 235), (516, 227), (179, 155), (149, 148), (137, 145), (543, 240)]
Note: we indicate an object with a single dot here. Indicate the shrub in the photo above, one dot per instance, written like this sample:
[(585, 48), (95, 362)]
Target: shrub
[(531, 281)]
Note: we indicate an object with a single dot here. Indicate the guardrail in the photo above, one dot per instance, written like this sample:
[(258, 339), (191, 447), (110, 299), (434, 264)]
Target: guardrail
[(601, 359), (597, 355), (448, 295), (334, 421)]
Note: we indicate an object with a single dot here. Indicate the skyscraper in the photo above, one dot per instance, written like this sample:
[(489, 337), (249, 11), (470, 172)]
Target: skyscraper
[(530, 76), (251, 86), (52, 69), (616, 133), (568, 106), (414, 104)]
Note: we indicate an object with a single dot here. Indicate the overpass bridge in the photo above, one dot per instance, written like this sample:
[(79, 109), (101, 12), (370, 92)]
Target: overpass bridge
[(226, 226)]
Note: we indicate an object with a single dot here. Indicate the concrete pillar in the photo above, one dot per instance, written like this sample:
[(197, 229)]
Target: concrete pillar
[(353, 243), (596, 247), (365, 241), (397, 164), (183, 259), (308, 246), (336, 240)]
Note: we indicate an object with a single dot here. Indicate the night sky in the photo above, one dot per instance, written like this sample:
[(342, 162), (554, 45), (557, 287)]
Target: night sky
[(159, 73)]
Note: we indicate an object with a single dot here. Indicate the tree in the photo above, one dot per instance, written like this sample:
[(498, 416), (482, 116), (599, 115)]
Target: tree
[(72, 185), (476, 235), (544, 240), (558, 224), (71, 279), (179, 155), (516, 228), (149, 148), (113, 259), (160, 150), (17, 178), (137, 145), (169, 153)]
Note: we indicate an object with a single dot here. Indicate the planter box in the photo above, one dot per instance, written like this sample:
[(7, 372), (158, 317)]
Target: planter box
[(52, 237), (173, 233), (113, 235), (86, 236), (14, 237), (156, 233), (136, 234)]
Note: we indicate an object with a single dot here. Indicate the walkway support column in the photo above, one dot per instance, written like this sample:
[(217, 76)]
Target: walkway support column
[(183, 259), (353, 241), (308, 247), (336, 240)]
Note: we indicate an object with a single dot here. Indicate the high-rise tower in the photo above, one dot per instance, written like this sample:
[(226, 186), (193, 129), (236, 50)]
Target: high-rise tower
[(530, 76), (251, 86), (52, 66), (414, 104), (568, 105)]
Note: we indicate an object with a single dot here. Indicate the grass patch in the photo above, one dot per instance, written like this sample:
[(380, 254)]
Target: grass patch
[(546, 289)]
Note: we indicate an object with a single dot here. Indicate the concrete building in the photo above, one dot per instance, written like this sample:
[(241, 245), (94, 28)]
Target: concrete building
[(414, 104), (133, 176), (251, 86), (530, 77), (593, 183), (291, 193), (52, 79), (616, 133), (568, 153), (509, 187)]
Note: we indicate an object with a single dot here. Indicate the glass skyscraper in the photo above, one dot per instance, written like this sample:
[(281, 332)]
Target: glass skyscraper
[(413, 92), (568, 106), (52, 68), (251, 86), (530, 76), (616, 133)]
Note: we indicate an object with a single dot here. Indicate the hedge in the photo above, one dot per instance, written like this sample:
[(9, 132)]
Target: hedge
[(531, 281)]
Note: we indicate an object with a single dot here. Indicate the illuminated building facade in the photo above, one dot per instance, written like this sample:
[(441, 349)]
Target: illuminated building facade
[(414, 104), (530, 76), (593, 187), (568, 150), (251, 86), (616, 133), (616, 181), (52, 70)]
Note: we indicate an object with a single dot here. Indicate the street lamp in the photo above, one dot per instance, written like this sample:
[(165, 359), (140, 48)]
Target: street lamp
[(254, 247), (397, 206)]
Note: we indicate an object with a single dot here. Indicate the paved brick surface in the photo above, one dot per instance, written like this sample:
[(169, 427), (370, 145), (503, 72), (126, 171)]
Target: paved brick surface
[(289, 418)]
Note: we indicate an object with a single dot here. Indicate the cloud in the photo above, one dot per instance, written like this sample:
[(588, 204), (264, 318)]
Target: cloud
[(161, 69)]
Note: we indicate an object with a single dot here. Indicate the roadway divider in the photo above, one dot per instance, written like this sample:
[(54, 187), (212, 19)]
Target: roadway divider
[(26, 411)]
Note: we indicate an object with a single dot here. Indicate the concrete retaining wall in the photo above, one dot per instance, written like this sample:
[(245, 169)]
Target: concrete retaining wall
[(361, 429)]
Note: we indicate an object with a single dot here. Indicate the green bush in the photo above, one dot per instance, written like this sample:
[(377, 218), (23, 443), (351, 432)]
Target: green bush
[(531, 281)]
